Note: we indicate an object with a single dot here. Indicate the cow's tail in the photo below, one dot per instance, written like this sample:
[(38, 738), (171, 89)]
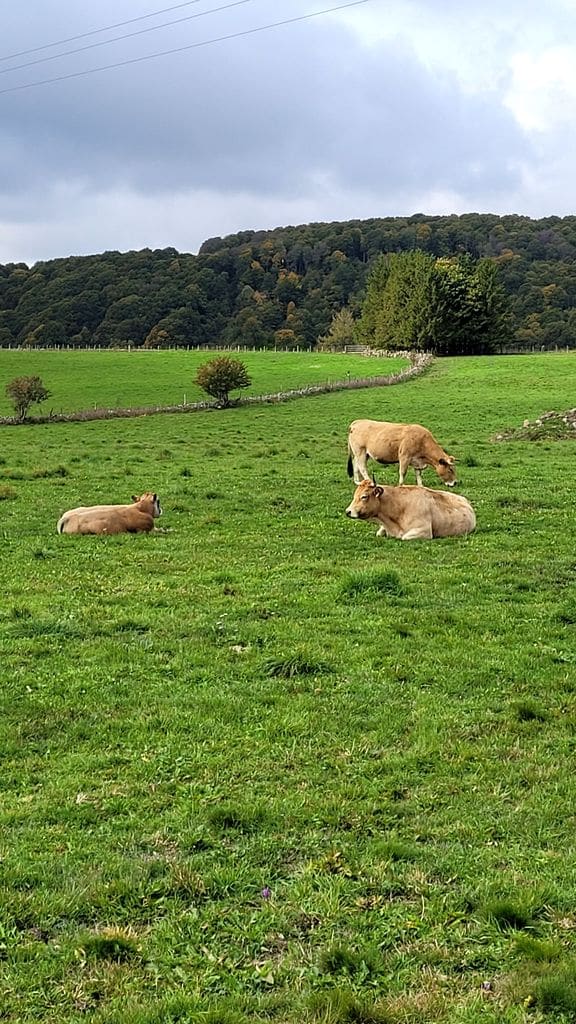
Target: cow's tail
[(60, 524), (350, 463)]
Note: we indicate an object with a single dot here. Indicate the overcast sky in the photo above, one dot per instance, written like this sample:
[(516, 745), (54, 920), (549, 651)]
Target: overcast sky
[(382, 109)]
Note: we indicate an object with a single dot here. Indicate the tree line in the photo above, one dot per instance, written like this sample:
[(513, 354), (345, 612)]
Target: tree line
[(285, 288)]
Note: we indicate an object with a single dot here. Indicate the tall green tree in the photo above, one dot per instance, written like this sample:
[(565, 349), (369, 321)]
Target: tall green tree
[(450, 305)]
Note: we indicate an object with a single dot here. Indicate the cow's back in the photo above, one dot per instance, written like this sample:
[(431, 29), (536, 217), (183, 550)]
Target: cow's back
[(383, 440)]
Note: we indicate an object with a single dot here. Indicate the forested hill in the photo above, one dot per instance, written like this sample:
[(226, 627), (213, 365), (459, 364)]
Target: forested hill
[(280, 287)]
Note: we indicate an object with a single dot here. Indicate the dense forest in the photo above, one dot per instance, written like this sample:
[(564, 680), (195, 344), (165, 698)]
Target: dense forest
[(281, 287)]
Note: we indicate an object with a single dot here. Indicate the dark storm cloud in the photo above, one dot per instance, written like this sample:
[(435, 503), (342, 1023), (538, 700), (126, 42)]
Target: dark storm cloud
[(275, 114)]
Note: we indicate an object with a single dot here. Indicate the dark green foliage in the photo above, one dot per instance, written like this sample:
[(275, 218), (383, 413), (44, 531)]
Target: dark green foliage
[(448, 305), (220, 376), (284, 287)]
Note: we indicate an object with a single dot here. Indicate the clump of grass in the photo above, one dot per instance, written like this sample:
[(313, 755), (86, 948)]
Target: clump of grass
[(7, 493), (110, 943), (372, 583), (557, 992), (342, 1006), (396, 849), (529, 711), (238, 819), (339, 959), (538, 949), (507, 914), (131, 626), (294, 665), (20, 611), (186, 471), (470, 460), (567, 614)]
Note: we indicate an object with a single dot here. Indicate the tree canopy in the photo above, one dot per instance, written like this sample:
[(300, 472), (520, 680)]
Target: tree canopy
[(284, 287)]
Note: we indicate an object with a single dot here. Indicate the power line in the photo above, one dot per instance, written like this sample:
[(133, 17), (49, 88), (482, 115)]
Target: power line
[(181, 49), (127, 35), (96, 31)]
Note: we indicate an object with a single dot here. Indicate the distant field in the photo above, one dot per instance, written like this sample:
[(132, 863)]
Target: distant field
[(85, 379), (263, 766)]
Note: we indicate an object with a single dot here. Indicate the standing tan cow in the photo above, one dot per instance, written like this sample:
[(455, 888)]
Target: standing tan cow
[(408, 444), (412, 513), (135, 518)]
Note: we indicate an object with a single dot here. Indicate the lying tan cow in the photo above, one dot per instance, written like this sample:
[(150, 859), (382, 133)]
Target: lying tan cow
[(135, 518), (412, 513), (408, 444)]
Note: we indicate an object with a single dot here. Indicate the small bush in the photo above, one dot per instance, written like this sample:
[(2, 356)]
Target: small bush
[(7, 493), (24, 392), (220, 376)]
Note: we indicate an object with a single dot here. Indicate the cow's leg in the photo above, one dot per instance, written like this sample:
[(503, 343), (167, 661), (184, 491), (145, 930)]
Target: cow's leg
[(360, 470), (418, 476), (403, 467), (382, 532), (418, 533)]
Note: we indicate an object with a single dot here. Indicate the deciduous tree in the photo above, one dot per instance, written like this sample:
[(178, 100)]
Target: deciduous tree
[(24, 392), (220, 376)]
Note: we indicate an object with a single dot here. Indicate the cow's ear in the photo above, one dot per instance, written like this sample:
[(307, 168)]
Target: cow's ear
[(134, 498), (443, 462), (378, 491)]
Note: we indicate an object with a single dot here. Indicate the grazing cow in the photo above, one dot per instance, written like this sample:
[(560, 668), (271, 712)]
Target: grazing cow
[(412, 513), (135, 518), (409, 444)]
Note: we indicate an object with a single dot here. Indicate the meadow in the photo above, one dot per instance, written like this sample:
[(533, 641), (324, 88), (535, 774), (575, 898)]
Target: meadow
[(263, 766), (85, 379)]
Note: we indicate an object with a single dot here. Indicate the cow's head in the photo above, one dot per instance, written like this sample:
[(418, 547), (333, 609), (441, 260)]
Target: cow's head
[(366, 501), (446, 471), (148, 502)]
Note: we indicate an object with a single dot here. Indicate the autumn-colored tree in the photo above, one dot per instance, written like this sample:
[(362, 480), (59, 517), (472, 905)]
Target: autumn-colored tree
[(220, 376), (24, 392)]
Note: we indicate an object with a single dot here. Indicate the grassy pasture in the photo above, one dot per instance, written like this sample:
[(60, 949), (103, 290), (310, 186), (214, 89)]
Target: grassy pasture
[(111, 379), (265, 767)]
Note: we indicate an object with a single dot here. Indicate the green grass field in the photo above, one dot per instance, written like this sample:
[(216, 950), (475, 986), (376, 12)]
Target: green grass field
[(110, 379), (263, 766)]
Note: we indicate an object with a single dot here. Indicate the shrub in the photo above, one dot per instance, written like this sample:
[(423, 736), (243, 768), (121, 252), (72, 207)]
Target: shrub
[(24, 392), (221, 376)]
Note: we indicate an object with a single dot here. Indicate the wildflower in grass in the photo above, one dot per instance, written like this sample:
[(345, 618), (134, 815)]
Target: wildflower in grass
[(266, 892)]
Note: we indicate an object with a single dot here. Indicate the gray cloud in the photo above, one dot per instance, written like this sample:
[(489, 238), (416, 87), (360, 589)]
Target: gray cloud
[(314, 117)]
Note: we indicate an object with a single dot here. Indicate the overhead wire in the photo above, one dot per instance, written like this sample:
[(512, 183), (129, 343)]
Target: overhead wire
[(126, 35), (182, 49), (96, 31)]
